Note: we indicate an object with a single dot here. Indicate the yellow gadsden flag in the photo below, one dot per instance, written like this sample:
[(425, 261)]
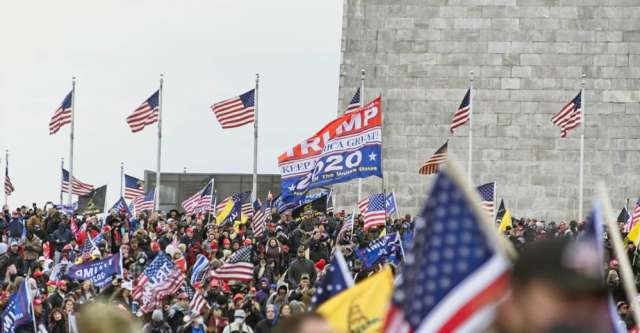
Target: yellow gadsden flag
[(506, 221), (361, 308), (634, 234)]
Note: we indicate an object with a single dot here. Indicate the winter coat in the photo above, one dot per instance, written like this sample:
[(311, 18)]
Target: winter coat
[(32, 248), (298, 267)]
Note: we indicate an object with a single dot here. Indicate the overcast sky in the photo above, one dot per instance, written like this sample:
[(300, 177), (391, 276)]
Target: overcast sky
[(208, 51)]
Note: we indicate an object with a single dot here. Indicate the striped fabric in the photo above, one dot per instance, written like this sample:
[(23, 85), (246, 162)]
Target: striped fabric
[(236, 111), (62, 115), (146, 114), (431, 166), (570, 116), (463, 114)]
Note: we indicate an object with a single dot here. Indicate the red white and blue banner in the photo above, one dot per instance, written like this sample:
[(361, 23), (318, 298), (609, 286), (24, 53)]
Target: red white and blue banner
[(348, 147)]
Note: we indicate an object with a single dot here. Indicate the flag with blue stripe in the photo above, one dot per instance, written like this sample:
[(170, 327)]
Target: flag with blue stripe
[(200, 268), (337, 279)]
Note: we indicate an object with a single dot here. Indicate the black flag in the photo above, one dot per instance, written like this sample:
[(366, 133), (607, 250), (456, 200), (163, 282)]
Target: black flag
[(623, 216), (93, 203), (317, 205), (501, 211)]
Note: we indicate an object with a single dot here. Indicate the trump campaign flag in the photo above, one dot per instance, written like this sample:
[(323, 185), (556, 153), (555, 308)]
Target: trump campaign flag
[(100, 272), (348, 147), (17, 311)]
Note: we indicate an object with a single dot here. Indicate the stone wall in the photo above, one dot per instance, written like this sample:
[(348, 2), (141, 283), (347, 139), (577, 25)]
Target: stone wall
[(528, 57)]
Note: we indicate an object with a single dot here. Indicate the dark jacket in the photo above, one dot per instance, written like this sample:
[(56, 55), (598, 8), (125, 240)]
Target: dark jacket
[(298, 267), (264, 326)]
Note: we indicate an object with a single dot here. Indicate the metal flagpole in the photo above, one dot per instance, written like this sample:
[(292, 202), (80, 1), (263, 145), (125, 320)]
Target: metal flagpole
[(254, 192), (495, 201), (157, 189), (73, 116), (6, 173), (470, 126), (582, 127), (62, 178), (122, 179), (362, 76)]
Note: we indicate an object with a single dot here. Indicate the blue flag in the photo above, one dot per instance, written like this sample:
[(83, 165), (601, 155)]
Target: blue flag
[(199, 269), (387, 247), (121, 204), (17, 311), (338, 278), (100, 272), (391, 205)]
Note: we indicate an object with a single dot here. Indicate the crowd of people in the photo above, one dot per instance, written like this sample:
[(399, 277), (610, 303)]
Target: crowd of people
[(291, 255)]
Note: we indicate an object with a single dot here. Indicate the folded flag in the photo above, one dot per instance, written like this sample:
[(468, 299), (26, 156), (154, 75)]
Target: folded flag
[(133, 187), (62, 115), (236, 111), (337, 279), (146, 114), (450, 279)]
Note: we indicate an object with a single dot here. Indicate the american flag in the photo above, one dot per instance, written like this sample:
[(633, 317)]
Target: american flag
[(146, 114), (247, 207), (635, 217), (200, 201), (431, 166), (355, 103), (463, 114), (145, 202), (159, 279), (199, 270), (90, 244), (79, 188), (133, 187), (487, 194), (346, 227), (623, 216), (570, 116), (198, 302), (376, 214), (452, 275), (220, 206), (62, 116), (362, 205), (239, 267), (8, 186), (236, 111), (259, 218)]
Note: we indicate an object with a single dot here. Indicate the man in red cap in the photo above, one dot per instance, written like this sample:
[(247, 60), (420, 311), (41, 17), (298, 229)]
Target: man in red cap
[(188, 239)]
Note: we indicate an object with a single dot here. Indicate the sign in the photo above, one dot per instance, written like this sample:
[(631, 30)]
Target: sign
[(348, 147), (100, 272)]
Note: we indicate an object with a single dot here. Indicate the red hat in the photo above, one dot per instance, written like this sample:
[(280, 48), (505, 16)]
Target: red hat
[(37, 274), (61, 283), (189, 229), (238, 296), (320, 264), (248, 242), (225, 287), (37, 301), (226, 241), (106, 228), (197, 285), (214, 245), (214, 283), (155, 246), (67, 247), (183, 296)]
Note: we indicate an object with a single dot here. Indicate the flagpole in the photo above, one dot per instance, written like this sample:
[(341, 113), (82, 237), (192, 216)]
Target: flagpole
[(6, 174), (62, 178), (157, 189), (582, 127), (362, 76), (73, 116), (495, 201), (254, 193), (121, 179), (469, 179)]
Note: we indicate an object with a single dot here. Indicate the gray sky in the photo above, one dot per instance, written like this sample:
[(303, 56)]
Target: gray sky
[(207, 50)]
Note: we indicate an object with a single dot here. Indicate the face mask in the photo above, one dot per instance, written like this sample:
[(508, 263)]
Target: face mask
[(238, 320)]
